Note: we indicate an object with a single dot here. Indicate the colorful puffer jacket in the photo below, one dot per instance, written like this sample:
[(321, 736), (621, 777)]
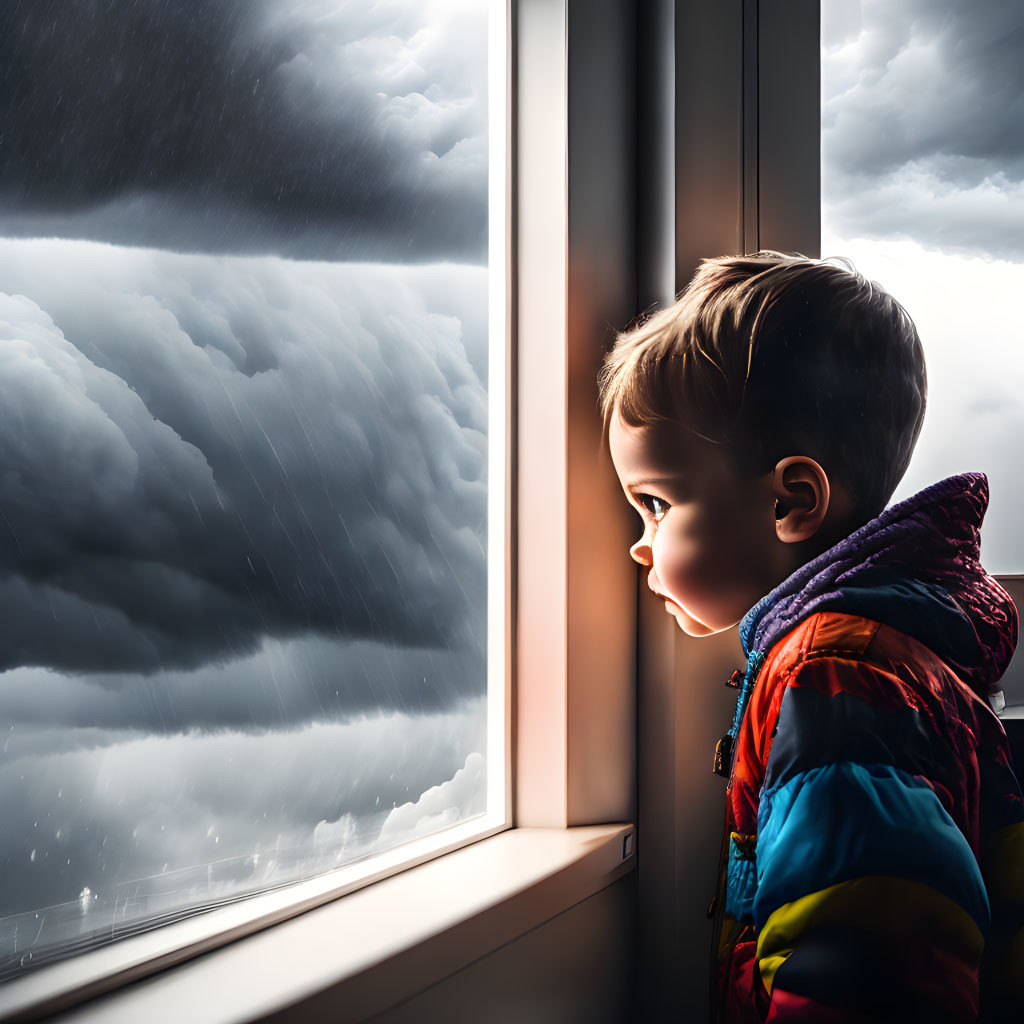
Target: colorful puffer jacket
[(873, 857)]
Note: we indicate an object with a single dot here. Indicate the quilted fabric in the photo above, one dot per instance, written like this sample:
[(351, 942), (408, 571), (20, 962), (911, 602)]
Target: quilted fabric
[(873, 858)]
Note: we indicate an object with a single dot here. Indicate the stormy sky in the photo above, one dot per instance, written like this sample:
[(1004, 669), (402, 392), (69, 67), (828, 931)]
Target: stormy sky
[(243, 448), (243, 444), (315, 129), (923, 187)]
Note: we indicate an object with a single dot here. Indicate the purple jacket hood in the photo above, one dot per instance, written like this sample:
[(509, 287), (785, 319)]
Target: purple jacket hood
[(915, 568)]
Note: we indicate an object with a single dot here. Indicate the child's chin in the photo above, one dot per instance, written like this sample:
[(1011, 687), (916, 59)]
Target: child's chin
[(691, 627)]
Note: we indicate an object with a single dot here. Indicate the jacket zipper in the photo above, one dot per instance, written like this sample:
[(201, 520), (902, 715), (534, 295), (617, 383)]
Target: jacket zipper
[(727, 749)]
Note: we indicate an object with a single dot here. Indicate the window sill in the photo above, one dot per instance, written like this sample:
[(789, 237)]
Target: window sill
[(379, 945)]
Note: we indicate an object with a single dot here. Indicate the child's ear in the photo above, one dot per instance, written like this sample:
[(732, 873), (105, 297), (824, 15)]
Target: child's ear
[(801, 491)]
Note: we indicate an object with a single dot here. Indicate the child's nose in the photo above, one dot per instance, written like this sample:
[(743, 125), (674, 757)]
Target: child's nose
[(641, 550)]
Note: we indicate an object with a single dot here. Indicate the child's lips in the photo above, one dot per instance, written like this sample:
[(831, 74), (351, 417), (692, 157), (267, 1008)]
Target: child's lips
[(670, 605)]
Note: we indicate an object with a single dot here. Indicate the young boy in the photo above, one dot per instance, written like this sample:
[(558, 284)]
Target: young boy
[(873, 857)]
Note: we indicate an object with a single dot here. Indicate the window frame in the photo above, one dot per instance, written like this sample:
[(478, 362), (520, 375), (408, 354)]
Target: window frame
[(569, 623), (193, 932)]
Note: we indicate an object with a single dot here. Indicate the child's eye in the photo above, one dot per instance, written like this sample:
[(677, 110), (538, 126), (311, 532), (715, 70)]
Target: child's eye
[(656, 506)]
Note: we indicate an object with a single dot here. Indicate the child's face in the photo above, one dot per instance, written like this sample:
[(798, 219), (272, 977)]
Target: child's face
[(709, 538)]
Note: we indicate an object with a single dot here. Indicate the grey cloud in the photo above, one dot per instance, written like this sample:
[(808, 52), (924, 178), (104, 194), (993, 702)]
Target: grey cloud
[(137, 807), (985, 219), (284, 685), (923, 104), (315, 130), (199, 453)]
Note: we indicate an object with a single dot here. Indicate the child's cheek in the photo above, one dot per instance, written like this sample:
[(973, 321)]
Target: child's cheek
[(672, 554), (691, 562)]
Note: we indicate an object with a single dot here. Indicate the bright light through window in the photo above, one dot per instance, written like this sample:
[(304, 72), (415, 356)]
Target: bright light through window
[(247, 450), (923, 188)]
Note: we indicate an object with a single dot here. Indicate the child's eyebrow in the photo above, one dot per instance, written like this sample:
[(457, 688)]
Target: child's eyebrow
[(651, 480)]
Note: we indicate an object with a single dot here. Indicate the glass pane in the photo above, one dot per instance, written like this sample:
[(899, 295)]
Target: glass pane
[(244, 450), (923, 188)]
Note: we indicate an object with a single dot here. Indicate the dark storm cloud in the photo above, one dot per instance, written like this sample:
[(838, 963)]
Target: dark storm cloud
[(923, 122), (201, 453), (317, 129)]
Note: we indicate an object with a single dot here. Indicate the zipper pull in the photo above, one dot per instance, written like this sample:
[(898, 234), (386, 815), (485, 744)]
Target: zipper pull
[(734, 681), (723, 756)]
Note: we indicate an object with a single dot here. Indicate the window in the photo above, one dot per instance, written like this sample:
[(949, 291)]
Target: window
[(572, 625), (252, 448), (921, 186)]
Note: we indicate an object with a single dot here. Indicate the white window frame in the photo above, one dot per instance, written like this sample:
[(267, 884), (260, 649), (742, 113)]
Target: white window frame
[(569, 625)]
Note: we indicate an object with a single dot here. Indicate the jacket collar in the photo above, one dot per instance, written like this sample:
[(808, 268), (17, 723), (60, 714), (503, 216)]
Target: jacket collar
[(915, 568)]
